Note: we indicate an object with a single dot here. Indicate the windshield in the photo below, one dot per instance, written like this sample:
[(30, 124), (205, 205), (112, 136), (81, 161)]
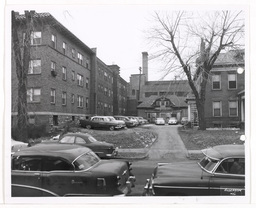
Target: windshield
[(86, 161), (208, 163)]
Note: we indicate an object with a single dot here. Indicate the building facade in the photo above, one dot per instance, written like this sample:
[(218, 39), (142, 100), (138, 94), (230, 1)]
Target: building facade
[(64, 79), (141, 89), (224, 100)]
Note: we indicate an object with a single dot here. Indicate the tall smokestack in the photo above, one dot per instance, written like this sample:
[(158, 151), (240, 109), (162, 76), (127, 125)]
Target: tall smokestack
[(145, 64)]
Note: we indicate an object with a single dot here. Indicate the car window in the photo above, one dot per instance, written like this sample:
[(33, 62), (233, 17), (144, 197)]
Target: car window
[(232, 166), (68, 139), (86, 161), (54, 164), (91, 139), (26, 163), (80, 140), (208, 163)]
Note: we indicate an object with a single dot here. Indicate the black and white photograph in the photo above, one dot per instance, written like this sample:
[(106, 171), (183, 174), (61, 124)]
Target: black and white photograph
[(121, 104)]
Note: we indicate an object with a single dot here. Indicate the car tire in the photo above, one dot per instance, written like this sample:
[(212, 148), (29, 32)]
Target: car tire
[(111, 128), (88, 126)]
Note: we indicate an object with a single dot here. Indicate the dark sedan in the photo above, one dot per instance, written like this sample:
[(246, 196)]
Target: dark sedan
[(102, 149), (67, 170), (220, 172)]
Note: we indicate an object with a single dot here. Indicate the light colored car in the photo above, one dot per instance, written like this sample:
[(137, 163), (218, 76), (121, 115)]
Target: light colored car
[(173, 120), (17, 146), (184, 120), (142, 120), (160, 121)]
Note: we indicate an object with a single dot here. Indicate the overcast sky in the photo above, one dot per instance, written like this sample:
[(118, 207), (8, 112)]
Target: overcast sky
[(118, 32)]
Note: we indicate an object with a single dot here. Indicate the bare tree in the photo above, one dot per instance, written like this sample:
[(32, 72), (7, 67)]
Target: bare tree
[(189, 43), (21, 53)]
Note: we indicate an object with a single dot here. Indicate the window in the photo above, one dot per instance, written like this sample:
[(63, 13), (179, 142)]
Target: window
[(54, 42), (34, 67), (53, 95), (72, 98), (80, 140), (80, 58), (80, 101), (64, 47), (133, 92), (87, 103), (53, 66), (73, 75), (64, 73), (233, 108), (80, 80), (33, 95), (87, 83), (232, 81), (64, 98), (216, 82), (36, 38), (217, 109), (232, 166), (73, 52), (68, 139)]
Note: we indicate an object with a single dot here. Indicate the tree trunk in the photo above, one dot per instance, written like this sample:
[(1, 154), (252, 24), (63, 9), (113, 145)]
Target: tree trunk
[(22, 65)]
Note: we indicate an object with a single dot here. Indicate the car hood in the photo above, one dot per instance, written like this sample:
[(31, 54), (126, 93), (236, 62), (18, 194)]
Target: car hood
[(178, 170)]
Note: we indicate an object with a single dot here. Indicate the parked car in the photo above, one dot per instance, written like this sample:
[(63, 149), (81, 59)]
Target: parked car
[(220, 172), (102, 149), (134, 119), (17, 146), (68, 170), (184, 120), (129, 123), (142, 120), (173, 120), (160, 121), (101, 122), (121, 123)]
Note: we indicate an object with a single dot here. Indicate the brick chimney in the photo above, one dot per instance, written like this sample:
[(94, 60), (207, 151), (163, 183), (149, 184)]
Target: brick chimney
[(145, 64)]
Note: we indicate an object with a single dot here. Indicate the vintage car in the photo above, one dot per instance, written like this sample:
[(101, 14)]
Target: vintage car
[(134, 119), (129, 123), (142, 120), (17, 146), (184, 120), (160, 121), (68, 170), (172, 121), (101, 122), (220, 172), (102, 149)]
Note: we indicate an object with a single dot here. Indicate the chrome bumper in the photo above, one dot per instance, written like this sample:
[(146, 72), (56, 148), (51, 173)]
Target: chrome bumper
[(148, 190)]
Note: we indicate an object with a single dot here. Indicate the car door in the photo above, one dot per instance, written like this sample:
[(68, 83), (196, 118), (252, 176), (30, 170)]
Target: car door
[(60, 177), (26, 173), (226, 181)]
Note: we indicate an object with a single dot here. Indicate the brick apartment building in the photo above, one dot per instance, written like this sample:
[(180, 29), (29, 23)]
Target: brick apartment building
[(64, 76), (225, 97)]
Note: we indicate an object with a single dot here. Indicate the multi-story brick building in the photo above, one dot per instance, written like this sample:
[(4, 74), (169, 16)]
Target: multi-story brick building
[(224, 100), (66, 80)]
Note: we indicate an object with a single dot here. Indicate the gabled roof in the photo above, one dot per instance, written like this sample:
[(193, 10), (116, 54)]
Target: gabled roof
[(233, 57), (177, 101)]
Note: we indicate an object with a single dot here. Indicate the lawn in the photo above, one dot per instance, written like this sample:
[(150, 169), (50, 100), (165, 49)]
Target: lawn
[(198, 139)]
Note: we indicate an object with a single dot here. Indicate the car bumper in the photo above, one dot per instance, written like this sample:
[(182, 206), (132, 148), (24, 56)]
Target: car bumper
[(148, 190)]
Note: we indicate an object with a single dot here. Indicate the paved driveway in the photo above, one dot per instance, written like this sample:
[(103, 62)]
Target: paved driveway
[(169, 145)]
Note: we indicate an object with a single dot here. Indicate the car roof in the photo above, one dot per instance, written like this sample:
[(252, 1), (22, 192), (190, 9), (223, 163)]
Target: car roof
[(77, 134), (224, 151), (67, 151)]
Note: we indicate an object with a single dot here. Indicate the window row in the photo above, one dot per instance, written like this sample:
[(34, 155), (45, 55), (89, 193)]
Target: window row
[(34, 96), (36, 39), (216, 81), (106, 75), (105, 106), (232, 108), (35, 68), (105, 90)]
